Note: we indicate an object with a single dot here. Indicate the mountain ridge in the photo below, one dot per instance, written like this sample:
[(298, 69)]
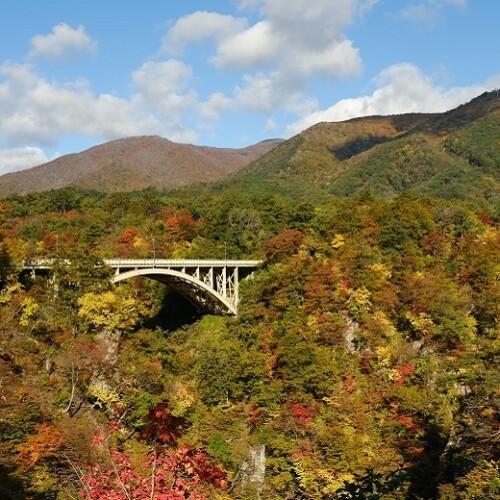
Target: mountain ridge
[(134, 163), (454, 154), (430, 153)]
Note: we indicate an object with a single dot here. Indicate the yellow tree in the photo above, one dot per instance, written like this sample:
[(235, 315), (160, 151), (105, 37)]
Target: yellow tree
[(110, 310)]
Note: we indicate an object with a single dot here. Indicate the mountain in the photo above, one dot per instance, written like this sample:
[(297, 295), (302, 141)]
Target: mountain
[(455, 154), (133, 164)]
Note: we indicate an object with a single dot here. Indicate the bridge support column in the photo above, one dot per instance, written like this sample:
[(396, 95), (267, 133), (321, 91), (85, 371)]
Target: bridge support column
[(209, 277), (236, 281)]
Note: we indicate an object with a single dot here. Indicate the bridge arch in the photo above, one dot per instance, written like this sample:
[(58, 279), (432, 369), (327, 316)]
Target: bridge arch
[(211, 285), (202, 294)]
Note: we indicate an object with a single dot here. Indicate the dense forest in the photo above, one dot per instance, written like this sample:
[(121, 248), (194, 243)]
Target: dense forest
[(363, 362)]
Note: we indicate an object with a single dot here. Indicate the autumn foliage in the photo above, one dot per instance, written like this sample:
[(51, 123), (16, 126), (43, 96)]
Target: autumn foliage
[(363, 362), (185, 473), (45, 444), (162, 426)]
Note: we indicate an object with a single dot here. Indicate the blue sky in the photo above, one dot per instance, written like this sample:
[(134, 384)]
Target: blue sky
[(231, 73)]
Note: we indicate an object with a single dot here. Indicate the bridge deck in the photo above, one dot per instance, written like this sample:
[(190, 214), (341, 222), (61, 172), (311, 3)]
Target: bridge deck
[(149, 263), (179, 263)]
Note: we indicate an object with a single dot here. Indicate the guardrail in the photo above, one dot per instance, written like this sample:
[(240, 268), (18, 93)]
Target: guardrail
[(146, 263)]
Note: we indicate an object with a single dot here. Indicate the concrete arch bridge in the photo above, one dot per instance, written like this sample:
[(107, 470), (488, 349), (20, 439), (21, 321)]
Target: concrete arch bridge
[(211, 285)]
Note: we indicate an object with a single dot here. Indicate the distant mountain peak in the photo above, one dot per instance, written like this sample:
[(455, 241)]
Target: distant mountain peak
[(135, 163)]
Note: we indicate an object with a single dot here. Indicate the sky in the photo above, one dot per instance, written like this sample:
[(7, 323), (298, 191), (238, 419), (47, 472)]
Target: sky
[(229, 73)]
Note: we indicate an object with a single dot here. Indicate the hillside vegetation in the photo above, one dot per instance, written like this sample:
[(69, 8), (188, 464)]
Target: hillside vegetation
[(363, 363), (364, 360), (453, 155), (132, 164)]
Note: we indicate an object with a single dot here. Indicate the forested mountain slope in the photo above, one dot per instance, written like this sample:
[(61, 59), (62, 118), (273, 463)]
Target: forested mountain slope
[(134, 163), (451, 155), (363, 363)]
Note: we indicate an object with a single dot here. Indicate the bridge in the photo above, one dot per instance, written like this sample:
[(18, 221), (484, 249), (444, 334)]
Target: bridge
[(211, 285)]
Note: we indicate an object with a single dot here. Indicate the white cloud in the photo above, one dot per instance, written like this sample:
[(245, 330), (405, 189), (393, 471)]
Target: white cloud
[(199, 26), (266, 93), (214, 106), (162, 87), (39, 112), (309, 23), (254, 47), (339, 60), (428, 11), (292, 44), (63, 43), (14, 159), (401, 88), (303, 34), (307, 41), (35, 111), (270, 125), (260, 94)]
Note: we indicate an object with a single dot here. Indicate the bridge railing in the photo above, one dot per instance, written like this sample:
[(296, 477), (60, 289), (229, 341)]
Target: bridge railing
[(43, 263), (179, 263), (142, 263)]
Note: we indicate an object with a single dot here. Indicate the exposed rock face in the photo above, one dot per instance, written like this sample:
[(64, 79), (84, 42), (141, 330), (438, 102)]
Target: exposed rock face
[(350, 333), (109, 343), (253, 469)]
